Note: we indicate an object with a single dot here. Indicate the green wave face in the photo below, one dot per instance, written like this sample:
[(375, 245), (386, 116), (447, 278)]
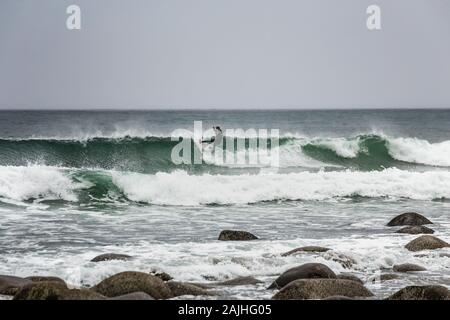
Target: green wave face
[(153, 154), (372, 154), (125, 154)]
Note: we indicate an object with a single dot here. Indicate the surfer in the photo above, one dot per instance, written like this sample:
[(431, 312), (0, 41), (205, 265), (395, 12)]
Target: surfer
[(217, 138)]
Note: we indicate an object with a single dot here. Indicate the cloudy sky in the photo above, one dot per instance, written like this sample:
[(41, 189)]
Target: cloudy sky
[(224, 53)]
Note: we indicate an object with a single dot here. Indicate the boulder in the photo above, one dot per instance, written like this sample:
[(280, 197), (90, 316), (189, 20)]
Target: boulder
[(426, 242), (54, 290), (415, 230), (240, 281), (111, 256), (130, 281), (186, 289), (421, 293), (133, 296), (45, 279), (408, 267), (42, 291), (409, 219), (321, 288), (305, 271), (9, 285), (233, 235), (82, 294), (349, 276), (307, 249)]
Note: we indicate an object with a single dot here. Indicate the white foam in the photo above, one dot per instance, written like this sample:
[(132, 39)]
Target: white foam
[(180, 188), (35, 182), (420, 151)]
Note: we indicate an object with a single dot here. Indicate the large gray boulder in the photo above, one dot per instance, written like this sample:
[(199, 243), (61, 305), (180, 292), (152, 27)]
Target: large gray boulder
[(130, 281), (56, 290), (305, 271), (409, 219), (421, 293), (304, 289), (45, 279), (9, 285), (235, 235), (426, 242)]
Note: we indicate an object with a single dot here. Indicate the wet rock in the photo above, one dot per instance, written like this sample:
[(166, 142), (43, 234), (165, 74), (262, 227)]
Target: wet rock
[(305, 271), (240, 281), (133, 296), (187, 289), (111, 256), (54, 291), (426, 243), (321, 288), (349, 276), (408, 267), (129, 282), (41, 291), (162, 275), (45, 279), (82, 294), (344, 260), (233, 235), (415, 230), (421, 293), (9, 285), (307, 249), (409, 219)]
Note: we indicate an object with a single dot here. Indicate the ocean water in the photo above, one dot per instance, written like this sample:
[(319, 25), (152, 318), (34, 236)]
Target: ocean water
[(75, 184)]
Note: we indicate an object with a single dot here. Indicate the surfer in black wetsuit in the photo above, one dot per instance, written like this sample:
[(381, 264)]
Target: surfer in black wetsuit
[(217, 139)]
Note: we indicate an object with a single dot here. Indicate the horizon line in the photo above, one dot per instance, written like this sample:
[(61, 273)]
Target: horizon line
[(228, 109)]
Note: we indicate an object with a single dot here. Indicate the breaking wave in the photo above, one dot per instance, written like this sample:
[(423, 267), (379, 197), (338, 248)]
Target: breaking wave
[(153, 154), (40, 184)]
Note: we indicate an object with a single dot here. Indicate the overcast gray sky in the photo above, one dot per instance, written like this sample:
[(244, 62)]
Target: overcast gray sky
[(224, 53)]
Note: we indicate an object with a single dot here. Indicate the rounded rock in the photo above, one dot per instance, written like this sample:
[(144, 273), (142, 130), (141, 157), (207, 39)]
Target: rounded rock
[(304, 289), (130, 281), (235, 235), (408, 267), (426, 242), (305, 271), (409, 219), (421, 293)]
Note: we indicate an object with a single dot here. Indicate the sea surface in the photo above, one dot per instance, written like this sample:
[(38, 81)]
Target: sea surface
[(76, 184)]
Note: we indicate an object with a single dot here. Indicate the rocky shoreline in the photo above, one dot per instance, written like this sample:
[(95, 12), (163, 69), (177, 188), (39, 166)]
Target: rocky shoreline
[(307, 281)]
